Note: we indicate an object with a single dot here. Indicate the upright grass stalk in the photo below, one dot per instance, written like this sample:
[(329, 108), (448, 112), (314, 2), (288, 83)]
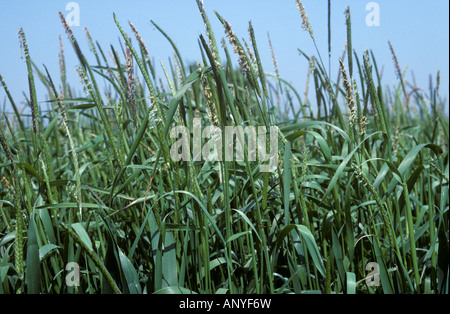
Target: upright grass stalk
[(348, 23), (14, 188), (411, 235), (36, 118), (13, 104), (374, 94), (91, 88), (63, 114)]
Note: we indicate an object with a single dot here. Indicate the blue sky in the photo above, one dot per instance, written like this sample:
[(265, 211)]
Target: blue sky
[(418, 32)]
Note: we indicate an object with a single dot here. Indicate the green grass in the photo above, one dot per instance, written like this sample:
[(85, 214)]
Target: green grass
[(361, 179)]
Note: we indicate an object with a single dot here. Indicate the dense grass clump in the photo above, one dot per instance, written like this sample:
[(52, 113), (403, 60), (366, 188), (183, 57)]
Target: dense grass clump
[(357, 203)]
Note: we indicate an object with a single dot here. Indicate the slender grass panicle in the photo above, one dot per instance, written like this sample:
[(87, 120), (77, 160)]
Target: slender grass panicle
[(237, 48), (61, 61), (63, 113), (23, 45), (398, 71), (251, 57), (374, 94), (348, 23), (367, 184), (274, 58), (6, 183), (396, 139), (12, 185), (90, 41), (131, 86), (141, 41), (69, 31), (362, 125), (349, 96), (306, 25)]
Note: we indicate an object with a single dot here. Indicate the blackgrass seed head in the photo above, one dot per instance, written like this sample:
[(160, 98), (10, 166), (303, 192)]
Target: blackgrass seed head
[(61, 56), (33, 107), (306, 25), (362, 125), (69, 31), (348, 94)]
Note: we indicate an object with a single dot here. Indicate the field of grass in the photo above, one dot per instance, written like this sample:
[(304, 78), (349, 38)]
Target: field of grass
[(358, 202)]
